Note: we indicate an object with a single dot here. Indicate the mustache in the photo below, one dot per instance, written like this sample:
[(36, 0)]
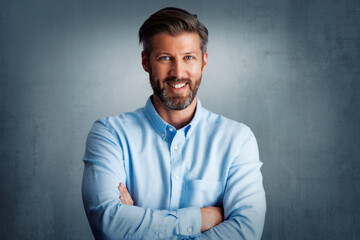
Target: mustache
[(176, 80)]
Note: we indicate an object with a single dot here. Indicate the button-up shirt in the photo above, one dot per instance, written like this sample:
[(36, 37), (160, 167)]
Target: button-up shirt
[(170, 174)]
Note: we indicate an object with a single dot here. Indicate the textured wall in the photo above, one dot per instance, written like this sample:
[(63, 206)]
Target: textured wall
[(288, 69)]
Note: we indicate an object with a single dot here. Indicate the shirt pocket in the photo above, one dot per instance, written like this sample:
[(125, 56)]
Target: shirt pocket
[(201, 193)]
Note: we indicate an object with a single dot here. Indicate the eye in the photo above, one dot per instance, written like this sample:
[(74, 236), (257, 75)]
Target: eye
[(164, 58), (189, 57)]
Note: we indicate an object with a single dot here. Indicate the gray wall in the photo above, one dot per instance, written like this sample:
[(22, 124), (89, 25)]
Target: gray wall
[(288, 69)]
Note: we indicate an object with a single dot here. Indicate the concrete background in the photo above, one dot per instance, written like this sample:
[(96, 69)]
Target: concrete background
[(288, 69)]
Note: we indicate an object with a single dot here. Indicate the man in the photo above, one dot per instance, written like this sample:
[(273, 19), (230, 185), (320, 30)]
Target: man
[(173, 170)]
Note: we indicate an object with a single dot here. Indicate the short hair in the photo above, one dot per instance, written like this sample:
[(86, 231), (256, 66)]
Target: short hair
[(172, 21)]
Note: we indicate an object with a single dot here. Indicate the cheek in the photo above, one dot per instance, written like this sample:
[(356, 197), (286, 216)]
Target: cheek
[(159, 71), (195, 71)]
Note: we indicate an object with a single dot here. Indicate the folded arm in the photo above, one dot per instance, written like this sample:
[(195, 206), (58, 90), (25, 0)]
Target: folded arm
[(108, 217), (244, 197), (243, 201), (210, 216)]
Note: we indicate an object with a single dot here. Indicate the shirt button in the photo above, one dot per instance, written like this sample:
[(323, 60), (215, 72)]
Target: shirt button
[(162, 134), (170, 129), (176, 177), (190, 229), (160, 235), (176, 148)]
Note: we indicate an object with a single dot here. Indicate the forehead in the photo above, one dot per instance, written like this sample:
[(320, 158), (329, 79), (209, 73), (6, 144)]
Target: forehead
[(182, 42)]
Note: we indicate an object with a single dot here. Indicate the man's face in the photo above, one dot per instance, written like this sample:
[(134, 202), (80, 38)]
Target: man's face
[(175, 66)]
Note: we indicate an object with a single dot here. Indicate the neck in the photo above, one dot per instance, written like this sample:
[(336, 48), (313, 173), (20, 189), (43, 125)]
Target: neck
[(176, 118)]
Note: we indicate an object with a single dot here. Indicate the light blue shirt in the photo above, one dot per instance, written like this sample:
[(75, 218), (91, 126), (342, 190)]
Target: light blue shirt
[(171, 174)]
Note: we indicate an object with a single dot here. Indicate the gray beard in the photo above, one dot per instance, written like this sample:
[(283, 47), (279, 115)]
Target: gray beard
[(174, 103)]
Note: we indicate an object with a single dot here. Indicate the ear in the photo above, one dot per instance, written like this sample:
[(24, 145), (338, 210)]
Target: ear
[(205, 60), (145, 62)]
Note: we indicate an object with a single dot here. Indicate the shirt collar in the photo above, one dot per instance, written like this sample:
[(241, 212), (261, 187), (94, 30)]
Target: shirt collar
[(163, 127)]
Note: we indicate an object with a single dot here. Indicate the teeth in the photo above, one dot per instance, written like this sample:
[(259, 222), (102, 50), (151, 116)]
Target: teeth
[(179, 85)]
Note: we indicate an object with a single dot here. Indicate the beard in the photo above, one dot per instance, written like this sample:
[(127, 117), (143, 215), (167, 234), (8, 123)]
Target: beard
[(174, 102)]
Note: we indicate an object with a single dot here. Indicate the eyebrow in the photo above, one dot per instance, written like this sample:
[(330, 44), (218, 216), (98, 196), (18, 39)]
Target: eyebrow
[(162, 53), (187, 53), (166, 53)]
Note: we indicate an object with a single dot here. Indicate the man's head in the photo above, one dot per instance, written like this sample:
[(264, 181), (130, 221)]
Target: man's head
[(174, 55), (171, 21)]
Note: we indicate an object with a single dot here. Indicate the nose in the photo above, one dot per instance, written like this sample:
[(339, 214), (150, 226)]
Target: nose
[(177, 70)]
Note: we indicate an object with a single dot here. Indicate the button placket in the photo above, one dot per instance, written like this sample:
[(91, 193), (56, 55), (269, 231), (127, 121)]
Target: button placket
[(176, 170)]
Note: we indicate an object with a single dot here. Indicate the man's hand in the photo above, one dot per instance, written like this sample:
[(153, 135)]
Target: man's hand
[(210, 217), (125, 195)]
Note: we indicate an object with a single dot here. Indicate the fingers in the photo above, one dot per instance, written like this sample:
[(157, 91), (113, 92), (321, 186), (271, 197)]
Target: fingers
[(125, 197), (123, 191)]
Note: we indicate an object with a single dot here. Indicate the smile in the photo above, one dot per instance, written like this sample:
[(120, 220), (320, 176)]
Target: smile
[(177, 85)]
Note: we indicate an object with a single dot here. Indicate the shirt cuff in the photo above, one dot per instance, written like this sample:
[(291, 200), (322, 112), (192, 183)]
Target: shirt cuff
[(189, 221)]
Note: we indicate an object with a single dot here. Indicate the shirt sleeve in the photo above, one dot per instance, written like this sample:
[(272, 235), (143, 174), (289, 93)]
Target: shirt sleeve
[(108, 217), (244, 197)]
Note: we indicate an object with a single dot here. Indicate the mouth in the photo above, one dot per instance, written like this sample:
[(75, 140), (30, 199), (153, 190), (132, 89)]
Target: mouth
[(177, 85)]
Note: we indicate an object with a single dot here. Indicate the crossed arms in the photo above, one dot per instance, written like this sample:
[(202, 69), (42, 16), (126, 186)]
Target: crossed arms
[(114, 218), (210, 216)]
